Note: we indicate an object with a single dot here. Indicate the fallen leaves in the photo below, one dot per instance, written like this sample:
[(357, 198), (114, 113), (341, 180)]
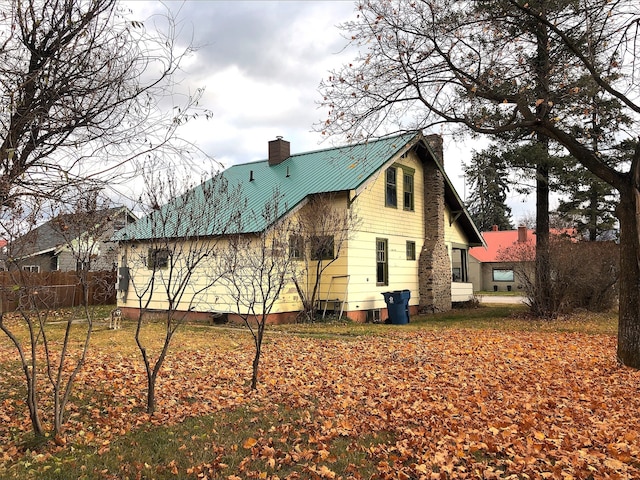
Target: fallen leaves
[(451, 404)]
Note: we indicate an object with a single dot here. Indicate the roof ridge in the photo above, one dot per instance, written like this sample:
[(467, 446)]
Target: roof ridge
[(340, 147)]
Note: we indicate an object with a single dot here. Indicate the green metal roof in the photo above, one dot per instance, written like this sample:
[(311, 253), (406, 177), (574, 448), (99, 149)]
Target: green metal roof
[(234, 201), (210, 208)]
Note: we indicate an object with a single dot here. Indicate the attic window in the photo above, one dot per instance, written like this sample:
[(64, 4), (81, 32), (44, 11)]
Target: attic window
[(408, 190), (391, 195)]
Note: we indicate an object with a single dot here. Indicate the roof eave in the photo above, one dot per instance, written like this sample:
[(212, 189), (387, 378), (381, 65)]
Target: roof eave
[(475, 238)]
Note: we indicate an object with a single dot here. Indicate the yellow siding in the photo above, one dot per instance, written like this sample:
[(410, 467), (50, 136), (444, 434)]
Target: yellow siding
[(354, 272), (200, 295), (395, 225), (453, 233)]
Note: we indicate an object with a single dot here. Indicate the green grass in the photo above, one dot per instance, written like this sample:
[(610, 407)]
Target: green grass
[(490, 293), (495, 317), (216, 445)]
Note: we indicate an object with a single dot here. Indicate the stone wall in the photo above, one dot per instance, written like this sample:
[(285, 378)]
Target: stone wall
[(434, 267)]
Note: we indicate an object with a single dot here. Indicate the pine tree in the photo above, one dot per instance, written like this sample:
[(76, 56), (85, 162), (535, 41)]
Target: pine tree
[(590, 204), (487, 178)]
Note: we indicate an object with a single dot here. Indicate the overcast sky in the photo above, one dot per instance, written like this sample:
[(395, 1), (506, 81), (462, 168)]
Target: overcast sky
[(260, 63)]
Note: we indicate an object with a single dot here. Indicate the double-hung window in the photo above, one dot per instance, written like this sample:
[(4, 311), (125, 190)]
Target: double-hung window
[(391, 187), (408, 190), (391, 195), (382, 261), (296, 247), (411, 250)]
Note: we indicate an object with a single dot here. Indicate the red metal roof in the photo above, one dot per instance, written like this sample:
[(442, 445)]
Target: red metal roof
[(497, 241)]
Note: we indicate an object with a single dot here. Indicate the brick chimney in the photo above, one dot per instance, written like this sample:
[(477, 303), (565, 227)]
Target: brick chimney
[(522, 234), (494, 228), (279, 151)]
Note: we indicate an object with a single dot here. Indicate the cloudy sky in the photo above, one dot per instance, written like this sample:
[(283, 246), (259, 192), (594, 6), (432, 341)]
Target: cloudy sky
[(260, 63)]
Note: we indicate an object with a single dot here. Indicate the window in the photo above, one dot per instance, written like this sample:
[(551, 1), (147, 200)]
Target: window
[(503, 275), (82, 265), (408, 190), (391, 197), (278, 248), (158, 258), (322, 247), (53, 266), (31, 268), (296, 247), (458, 264), (382, 262), (411, 250)]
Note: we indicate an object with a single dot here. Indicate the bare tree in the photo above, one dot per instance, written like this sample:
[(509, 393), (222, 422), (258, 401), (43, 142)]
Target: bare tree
[(473, 64), (41, 352), (79, 81), (173, 259), (575, 283), (323, 227), (257, 268)]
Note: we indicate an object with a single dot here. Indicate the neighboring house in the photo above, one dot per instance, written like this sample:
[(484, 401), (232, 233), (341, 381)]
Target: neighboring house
[(495, 267), (413, 232), (50, 246), (491, 269)]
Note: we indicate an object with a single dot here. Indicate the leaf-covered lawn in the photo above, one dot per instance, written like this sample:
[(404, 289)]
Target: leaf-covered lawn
[(446, 403)]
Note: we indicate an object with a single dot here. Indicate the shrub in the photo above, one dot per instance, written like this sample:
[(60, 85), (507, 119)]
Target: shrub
[(584, 275)]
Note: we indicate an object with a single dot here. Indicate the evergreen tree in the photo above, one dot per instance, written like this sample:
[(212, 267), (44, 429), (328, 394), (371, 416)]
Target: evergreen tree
[(590, 205), (487, 178), (591, 202)]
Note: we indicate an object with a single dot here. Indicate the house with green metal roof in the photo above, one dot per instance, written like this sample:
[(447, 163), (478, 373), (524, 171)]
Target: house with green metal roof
[(413, 232)]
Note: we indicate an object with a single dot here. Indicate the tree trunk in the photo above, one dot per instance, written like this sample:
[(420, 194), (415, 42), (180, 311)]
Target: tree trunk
[(543, 300), (151, 394), (543, 306), (256, 358), (628, 213), (593, 213), (32, 403)]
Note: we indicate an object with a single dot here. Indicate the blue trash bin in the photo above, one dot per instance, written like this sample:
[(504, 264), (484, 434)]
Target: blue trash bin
[(398, 306)]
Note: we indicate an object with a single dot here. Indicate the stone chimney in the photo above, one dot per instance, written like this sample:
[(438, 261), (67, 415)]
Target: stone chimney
[(279, 151), (435, 142), (434, 265), (522, 234), (494, 228)]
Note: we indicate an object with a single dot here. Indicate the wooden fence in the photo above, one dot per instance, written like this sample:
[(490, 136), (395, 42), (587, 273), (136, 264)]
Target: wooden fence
[(54, 289)]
